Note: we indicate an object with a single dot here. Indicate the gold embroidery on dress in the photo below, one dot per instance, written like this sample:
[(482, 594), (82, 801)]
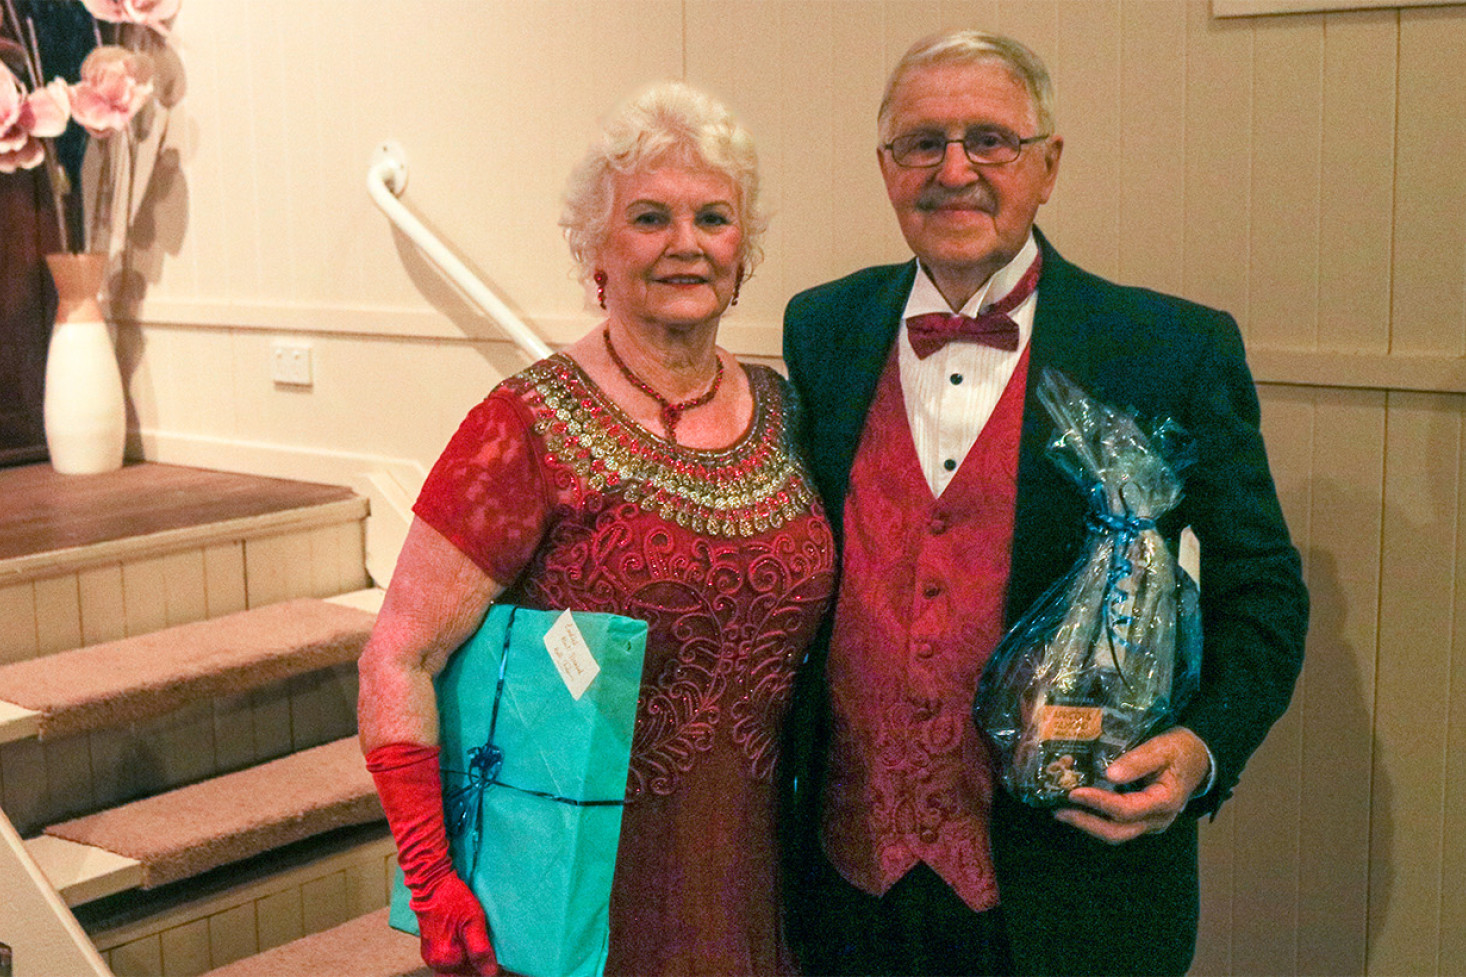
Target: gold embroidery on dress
[(756, 485)]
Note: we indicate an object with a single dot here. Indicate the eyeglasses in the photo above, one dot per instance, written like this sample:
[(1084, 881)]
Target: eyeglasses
[(984, 145)]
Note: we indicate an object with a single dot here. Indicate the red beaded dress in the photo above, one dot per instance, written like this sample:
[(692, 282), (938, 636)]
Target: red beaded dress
[(727, 555)]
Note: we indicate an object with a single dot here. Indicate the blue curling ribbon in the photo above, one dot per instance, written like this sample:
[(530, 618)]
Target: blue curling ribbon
[(464, 806), (1125, 528)]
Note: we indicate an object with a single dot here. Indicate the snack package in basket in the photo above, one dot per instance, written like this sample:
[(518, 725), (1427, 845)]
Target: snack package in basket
[(535, 720), (1112, 652)]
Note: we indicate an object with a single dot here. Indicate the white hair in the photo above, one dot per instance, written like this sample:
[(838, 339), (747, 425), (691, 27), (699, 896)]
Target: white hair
[(669, 122), (965, 46)]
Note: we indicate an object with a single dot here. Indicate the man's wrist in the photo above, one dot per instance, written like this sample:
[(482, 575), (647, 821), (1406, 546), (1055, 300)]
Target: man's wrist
[(1209, 781)]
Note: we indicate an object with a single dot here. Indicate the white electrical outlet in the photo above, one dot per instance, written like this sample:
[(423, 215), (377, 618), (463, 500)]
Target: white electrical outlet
[(290, 364)]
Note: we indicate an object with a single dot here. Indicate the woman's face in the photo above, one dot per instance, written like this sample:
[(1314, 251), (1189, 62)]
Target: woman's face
[(672, 249)]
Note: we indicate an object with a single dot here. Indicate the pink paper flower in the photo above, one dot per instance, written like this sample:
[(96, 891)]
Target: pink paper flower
[(115, 83), (27, 119), (150, 13)]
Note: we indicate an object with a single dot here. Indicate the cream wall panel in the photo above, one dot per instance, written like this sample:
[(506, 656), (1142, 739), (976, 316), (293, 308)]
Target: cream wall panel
[(114, 756), (272, 726), (145, 596), (18, 610), (1268, 804), (140, 958), (186, 949), (185, 376), (325, 562), (1412, 772), (58, 615), (103, 604), (1087, 69), (1452, 928), (279, 919), (323, 706), (1430, 237), (277, 568), (323, 902), (1335, 700), (23, 777), (232, 935), (818, 151), (224, 578), (182, 745), (234, 732), (1357, 176), (863, 50), (1152, 141), (68, 777), (1217, 847), (183, 575), (508, 62), (367, 888), (1219, 138), (1287, 68)]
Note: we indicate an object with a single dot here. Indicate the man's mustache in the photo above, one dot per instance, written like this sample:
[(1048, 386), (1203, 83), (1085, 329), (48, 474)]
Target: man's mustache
[(974, 198)]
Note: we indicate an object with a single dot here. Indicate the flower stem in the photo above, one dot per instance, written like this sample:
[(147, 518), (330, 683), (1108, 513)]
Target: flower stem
[(55, 174)]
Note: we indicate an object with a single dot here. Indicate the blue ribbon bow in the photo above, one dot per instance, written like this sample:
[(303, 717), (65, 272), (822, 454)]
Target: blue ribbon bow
[(1125, 527)]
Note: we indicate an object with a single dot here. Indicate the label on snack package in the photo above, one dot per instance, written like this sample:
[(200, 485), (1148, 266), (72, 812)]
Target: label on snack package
[(571, 655), (1077, 723)]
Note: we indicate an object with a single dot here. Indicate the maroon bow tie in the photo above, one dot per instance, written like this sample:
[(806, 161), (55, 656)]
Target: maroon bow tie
[(930, 332)]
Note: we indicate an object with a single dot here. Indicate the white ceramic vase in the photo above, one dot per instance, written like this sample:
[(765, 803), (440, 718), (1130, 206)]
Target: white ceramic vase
[(84, 410)]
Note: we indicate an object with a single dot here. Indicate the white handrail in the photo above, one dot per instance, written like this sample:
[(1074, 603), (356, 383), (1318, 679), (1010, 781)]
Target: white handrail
[(386, 178)]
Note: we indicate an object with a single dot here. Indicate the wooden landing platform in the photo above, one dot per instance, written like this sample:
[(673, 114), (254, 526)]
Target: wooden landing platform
[(43, 512)]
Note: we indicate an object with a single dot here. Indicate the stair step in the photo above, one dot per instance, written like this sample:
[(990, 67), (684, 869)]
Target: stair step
[(60, 522), (185, 832), (120, 682), (82, 873), (362, 947)]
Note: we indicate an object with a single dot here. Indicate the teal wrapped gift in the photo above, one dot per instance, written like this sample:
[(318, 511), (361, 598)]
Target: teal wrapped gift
[(534, 778)]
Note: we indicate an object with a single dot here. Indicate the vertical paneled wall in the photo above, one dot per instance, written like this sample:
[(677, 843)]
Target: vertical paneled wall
[(1304, 172)]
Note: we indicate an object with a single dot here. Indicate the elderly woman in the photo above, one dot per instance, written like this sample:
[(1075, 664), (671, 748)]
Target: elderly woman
[(678, 501)]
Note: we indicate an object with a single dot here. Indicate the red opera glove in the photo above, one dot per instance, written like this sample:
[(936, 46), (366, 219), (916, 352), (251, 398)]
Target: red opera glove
[(455, 934)]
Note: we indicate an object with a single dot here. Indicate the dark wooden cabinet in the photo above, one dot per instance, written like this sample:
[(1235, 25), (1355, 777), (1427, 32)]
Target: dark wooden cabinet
[(27, 304)]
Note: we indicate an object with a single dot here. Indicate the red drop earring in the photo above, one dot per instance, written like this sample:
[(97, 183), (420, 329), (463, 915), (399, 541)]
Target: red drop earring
[(600, 279), (737, 286)]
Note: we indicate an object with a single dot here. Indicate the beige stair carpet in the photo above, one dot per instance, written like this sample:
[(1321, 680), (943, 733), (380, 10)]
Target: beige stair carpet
[(364, 947), (119, 682), (188, 831)]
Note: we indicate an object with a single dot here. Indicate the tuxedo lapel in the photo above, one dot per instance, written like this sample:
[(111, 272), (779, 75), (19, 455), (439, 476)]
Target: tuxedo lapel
[(852, 364), (1048, 525)]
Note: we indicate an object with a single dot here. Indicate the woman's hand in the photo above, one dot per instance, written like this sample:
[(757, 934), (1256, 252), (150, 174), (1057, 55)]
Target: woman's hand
[(455, 934)]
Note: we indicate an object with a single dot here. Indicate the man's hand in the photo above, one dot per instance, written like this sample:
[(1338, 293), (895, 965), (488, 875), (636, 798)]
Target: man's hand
[(1169, 767)]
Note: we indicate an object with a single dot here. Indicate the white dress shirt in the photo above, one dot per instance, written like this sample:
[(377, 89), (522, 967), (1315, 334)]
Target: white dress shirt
[(951, 394)]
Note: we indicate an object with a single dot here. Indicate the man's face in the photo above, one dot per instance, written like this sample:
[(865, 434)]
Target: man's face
[(966, 220)]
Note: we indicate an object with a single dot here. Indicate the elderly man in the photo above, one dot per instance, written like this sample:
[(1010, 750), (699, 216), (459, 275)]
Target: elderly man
[(927, 441)]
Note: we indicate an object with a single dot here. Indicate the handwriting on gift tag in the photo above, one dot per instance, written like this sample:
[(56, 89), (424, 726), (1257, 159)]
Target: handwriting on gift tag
[(571, 655)]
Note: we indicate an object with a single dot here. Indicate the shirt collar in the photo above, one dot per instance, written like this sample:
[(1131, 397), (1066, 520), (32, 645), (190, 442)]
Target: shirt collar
[(926, 298)]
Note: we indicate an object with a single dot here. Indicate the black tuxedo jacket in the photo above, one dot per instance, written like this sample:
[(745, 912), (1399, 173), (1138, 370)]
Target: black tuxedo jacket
[(1074, 904)]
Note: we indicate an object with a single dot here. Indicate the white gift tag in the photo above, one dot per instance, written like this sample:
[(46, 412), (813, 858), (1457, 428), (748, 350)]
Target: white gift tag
[(1190, 555), (571, 655)]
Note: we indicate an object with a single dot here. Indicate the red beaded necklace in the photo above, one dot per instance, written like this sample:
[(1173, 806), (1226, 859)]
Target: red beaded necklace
[(671, 413)]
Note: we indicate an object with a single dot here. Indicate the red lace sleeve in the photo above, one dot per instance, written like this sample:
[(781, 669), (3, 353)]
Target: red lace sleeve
[(486, 494)]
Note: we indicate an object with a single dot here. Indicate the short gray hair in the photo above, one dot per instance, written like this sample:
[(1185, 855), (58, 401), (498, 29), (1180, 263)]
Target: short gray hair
[(669, 122), (965, 46)]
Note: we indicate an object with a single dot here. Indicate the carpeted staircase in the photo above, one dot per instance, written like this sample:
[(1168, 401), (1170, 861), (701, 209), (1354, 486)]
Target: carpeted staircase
[(194, 791)]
